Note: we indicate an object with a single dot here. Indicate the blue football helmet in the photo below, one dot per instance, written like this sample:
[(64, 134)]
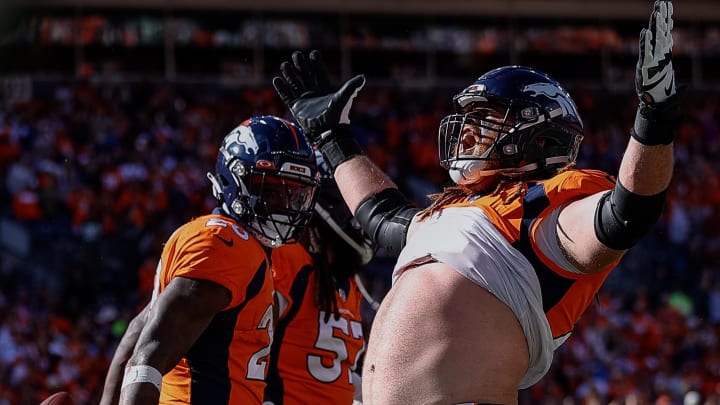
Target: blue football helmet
[(266, 178), (333, 210), (512, 121)]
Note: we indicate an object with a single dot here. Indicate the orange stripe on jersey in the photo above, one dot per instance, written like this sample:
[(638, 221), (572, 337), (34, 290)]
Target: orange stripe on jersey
[(565, 295), (227, 364), (311, 359)]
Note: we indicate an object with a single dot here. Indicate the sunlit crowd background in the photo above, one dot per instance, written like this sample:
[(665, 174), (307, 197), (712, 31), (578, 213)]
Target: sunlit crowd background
[(99, 166)]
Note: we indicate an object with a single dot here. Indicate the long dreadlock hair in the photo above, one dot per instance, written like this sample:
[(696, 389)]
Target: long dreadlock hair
[(336, 242), (335, 263)]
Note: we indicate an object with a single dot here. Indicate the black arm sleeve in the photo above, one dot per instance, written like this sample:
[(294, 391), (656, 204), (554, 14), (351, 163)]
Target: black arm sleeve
[(385, 216), (623, 217)]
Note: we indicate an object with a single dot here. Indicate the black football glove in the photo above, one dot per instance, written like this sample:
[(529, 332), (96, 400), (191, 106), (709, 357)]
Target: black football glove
[(657, 118), (654, 77), (321, 111)]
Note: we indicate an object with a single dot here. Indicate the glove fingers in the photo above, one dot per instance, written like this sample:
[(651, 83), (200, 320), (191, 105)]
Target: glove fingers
[(303, 70), (669, 23), (322, 77), (661, 30), (648, 47), (655, 81), (641, 41), (283, 90), (654, 21), (292, 78), (661, 23)]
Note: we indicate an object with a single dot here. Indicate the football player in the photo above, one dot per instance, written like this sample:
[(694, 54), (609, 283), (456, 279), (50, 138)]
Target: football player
[(493, 275), (205, 336), (319, 336)]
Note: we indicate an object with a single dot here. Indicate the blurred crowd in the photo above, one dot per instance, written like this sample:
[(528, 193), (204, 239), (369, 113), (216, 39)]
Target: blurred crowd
[(97, 176)]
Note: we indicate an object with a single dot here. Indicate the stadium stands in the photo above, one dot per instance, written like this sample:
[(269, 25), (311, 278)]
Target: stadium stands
[(105, 138)]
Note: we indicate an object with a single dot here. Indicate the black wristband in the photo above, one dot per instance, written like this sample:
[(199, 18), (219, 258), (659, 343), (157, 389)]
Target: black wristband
[(656, 124), (339, 146)]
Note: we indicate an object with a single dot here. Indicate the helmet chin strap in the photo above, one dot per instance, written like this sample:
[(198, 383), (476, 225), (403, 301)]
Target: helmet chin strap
[(262, 232), (468, 172), (465, 172), (265, 241), (271, 233)]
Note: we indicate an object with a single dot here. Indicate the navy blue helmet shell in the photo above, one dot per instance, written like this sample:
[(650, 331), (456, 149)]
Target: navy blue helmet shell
[(527, 124), (266, 178)]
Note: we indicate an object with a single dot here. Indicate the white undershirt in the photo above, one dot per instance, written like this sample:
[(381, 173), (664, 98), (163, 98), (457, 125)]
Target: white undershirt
[(547, 241)]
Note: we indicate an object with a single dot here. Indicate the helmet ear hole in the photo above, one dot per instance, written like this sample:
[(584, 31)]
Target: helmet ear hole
[(546, 141)]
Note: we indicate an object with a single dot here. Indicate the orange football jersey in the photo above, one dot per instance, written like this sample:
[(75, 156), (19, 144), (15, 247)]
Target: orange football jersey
[(312, 360), (565, 295), (228, 362)]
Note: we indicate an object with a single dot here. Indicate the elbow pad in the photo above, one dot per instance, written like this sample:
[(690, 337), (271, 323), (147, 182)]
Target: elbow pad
[(622, 218), (385, 216)]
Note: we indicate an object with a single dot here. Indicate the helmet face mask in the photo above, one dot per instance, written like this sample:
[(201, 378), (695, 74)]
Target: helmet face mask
[(266, 179), (514, 122), (472, 136), (281, 207)]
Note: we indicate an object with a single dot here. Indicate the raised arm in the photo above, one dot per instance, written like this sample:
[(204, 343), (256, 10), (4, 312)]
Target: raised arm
[(174, 322), (598, 230), (324, 114)]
